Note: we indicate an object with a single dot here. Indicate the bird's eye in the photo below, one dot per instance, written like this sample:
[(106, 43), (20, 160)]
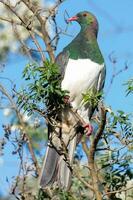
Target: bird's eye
[(84, 14)]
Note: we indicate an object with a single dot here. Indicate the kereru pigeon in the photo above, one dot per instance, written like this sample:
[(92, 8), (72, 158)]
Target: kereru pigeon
[(82, 67)]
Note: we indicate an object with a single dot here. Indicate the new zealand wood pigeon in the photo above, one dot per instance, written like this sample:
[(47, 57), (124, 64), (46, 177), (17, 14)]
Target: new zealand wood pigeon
[(82, 67)]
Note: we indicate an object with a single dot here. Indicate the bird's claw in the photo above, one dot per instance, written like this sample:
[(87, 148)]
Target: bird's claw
[(89, 129)]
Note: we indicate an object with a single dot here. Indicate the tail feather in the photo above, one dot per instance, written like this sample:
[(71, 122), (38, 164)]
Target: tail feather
[(56, 169), (64, 172), (49, 168)]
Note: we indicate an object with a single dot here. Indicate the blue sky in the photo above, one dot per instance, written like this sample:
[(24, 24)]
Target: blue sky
[(115, 35)]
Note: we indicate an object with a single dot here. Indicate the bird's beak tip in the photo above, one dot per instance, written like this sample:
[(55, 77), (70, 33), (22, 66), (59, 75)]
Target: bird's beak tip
[(75, 18)]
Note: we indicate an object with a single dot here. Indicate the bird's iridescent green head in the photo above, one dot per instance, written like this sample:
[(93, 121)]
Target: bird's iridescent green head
[(85, 19)]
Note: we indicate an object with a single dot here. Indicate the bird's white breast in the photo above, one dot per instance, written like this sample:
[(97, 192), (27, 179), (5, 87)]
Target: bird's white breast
[(80, 75)]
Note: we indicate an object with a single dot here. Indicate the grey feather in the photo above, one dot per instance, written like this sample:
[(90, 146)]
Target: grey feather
[(55, 166), (49, 167), (65, 172), (62, 60)]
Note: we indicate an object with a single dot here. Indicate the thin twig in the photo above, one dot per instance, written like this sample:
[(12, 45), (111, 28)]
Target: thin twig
[(38, 46), (83, 181), (42, 21), (29, 143), (118, 191)]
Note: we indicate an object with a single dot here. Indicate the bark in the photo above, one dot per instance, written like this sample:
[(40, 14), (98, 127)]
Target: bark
[(91, 156)]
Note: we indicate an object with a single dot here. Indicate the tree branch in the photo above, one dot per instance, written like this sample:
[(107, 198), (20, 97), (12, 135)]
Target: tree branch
[(42, 21), (91, 155), (38, 46), (18, 23), (83, 181), (29, 143)]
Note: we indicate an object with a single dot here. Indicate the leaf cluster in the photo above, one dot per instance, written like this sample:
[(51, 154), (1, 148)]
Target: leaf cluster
[(115, 161), (129, 85), (122, 121), (43, 88), (91, 97)]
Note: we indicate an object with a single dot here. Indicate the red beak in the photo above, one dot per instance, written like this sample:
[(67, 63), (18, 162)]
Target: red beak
[(75, 18)]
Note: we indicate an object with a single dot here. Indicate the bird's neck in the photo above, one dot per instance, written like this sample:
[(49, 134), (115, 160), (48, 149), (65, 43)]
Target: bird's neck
[(88, 34), (85, 45), (92, 29)]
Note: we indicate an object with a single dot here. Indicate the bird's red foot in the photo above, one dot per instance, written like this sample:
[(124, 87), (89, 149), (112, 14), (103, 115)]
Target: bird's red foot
[(67, 99), (89, 129)]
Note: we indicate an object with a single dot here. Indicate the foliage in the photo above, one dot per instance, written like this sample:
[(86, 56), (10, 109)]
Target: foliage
[(116, 160), (42, 90), (92, 97), (122, 121), (129, 85)]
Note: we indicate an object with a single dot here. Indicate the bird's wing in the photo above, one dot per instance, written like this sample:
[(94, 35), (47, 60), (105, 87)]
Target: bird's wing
[(62, 61), (99, 85), (101, 79)]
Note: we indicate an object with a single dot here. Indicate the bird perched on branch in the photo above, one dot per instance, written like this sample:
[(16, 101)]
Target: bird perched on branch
[(82, 67)]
